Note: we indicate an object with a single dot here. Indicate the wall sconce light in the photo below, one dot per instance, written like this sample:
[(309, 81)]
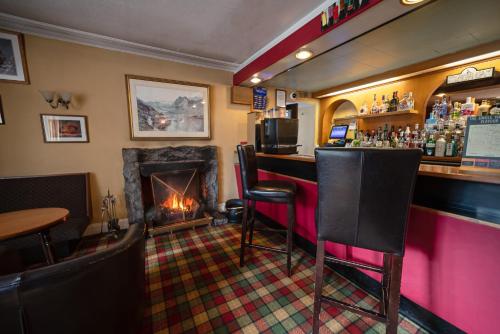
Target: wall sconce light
[(55, 99)]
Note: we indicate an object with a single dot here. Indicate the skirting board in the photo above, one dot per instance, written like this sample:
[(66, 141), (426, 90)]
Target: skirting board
[(95, 228), (424, 318)]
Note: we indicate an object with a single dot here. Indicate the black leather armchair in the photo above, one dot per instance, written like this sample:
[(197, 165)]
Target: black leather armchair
[(101, 292)]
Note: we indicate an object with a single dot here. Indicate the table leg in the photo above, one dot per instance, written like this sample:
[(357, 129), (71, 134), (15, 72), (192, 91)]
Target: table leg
[(47, 247)]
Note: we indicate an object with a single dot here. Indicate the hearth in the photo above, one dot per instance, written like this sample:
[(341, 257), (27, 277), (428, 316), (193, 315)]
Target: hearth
[(171, 188)]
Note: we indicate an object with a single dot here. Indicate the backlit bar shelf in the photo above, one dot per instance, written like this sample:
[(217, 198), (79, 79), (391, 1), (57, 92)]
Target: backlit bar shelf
[(385, 114)]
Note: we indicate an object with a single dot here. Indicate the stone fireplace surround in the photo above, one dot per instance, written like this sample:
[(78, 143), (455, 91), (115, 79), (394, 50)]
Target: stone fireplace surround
[(133, 158)]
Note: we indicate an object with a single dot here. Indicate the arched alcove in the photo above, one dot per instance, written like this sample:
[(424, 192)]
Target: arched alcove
[(342, 108)]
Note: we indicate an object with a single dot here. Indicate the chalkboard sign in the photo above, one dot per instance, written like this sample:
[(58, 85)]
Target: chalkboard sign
[(482, 143), (259, 98)]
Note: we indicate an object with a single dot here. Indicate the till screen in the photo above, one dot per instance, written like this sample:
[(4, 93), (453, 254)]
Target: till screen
[(338, 132)]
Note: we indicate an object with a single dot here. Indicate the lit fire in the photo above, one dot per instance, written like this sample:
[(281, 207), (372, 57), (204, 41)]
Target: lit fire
[(175, 203)]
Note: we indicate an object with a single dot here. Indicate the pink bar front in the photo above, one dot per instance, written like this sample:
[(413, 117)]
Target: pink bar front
[(450, 265)]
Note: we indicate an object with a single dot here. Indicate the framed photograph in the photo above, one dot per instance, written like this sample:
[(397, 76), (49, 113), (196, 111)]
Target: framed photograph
[(13, 65), (2, 117), (161, 109), (64, 129), (281, 98)]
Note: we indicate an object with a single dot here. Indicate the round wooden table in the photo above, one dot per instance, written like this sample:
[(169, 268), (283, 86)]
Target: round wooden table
[(23, 222)]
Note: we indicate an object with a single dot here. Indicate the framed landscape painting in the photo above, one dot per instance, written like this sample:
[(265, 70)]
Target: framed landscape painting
[(64, 129), (161, 109), (13, 66)]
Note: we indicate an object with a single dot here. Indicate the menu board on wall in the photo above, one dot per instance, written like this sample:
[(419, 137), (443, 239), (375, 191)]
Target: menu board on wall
[(259, 98), (482, 143)]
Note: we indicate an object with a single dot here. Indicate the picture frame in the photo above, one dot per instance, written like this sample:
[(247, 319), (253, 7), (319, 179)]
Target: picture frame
[(64, 128), (2, 116), (163, 109), (13, 64), (280, 98)]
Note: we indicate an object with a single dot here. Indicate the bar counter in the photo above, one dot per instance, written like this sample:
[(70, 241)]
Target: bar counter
[(450, 266)]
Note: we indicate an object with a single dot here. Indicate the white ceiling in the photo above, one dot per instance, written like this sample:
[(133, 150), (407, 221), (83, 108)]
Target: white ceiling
[(441, 27), (224, 30)]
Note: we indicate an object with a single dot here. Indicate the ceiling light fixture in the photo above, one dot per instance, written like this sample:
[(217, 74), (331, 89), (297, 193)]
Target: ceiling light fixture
[(255, 80), (410, 2), (409, 75), (303, 54)]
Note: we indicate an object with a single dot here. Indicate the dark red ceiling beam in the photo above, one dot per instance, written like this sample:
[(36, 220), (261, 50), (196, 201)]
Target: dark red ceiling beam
[(305, 34)]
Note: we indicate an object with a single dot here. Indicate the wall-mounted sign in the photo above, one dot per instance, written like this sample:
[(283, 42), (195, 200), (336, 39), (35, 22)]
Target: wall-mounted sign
[(482, 143), (470, 74), (259, 98)]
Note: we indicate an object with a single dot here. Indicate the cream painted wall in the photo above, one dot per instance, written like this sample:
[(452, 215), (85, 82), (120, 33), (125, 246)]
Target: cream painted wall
[(97, 78)]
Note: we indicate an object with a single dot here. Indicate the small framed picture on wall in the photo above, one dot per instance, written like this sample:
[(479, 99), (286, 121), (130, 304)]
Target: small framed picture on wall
[(2, 117), (13, 65), (64, 129)]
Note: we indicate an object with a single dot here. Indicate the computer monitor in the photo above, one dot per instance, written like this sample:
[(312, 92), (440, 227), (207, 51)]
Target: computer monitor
[(339, 132)]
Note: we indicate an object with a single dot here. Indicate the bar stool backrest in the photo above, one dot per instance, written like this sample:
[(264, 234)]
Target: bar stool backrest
[(364, 196), (248, 167)]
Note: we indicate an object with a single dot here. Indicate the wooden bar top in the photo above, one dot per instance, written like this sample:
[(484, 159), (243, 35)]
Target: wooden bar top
[(448, 172)]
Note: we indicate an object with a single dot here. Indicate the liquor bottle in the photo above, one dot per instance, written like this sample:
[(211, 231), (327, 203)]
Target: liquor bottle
[(410, 101), (430, 146), (342, 10), (393, 105), (496, 109), (386, 137), (455, 114), (451, 147), (444, 108), (440, 147), (468, 108), (403, 103), (374, 105), (484, 108), (324, 21), (364, 109), (458, 135), (335, 11), (330, 15), (379, 141), (383, 105), (351, 6)]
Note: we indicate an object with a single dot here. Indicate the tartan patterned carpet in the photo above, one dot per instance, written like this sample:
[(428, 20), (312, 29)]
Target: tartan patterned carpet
[(195, 285)]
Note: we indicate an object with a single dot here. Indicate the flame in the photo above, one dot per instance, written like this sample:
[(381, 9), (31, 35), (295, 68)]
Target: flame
[(173, 202)]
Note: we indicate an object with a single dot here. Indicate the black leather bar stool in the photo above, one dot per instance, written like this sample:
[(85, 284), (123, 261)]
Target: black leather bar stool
[(363, 200), (273, 191)]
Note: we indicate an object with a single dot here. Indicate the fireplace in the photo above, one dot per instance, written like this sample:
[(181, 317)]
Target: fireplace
[(176, 196), (171, 188)]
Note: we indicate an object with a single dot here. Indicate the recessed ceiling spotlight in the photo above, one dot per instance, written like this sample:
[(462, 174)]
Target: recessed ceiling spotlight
[(255, 80), (410, 2), (303, 54)]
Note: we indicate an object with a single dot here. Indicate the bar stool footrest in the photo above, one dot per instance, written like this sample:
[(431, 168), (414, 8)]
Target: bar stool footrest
[(354, 264), (271, 249), (274, 230), (356, 309)]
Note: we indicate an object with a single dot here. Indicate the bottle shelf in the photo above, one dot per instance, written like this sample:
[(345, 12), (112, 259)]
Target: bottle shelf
[(388, 114), (385, 114)]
